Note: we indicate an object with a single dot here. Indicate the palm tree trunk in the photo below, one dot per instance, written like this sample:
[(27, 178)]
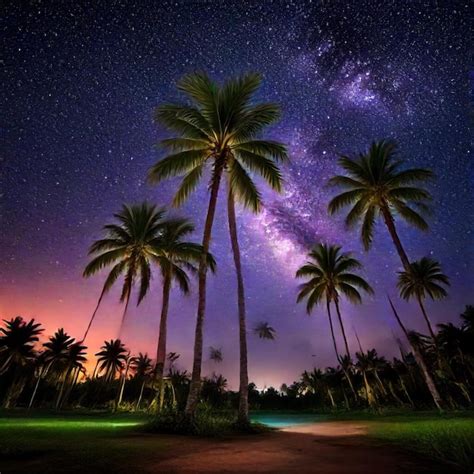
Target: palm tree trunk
[(42, 373), (124, 379), (336, 302), (161, 350), (428, 322), (93, 315), (390, 223), (405, 391), (139, 401), (368, 391), (195, 387), (95, 370), (381, 385), (61, 391), (328, 307), (331, 398), (243, 416), (438, 401), (122, 322)]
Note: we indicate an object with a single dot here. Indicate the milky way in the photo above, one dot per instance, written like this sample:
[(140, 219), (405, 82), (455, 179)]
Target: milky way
[(80, 85)]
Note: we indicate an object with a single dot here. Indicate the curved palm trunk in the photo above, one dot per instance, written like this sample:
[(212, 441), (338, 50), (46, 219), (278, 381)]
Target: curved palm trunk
[(93, 315), (346, 372), (336, 302), (44, 370), (124, 379), (328, 307), (243, 416), (139, 401), (438, 401), (195, 387), (428, 322), (161, 350), (368, 391), (390, 223), (124, 315)]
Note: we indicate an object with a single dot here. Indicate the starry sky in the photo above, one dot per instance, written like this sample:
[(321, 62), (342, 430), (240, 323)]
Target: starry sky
[(80, 82)]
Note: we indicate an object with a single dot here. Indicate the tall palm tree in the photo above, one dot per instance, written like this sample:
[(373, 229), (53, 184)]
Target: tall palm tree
[(217, 130), (264, 331), (329, 276), (175, 257), (128, 247), (112, 358), (375, 185), (424, 278), (55, 350)]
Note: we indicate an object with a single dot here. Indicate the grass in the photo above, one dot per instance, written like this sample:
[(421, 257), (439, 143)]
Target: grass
[(448, 437), (50, 443)]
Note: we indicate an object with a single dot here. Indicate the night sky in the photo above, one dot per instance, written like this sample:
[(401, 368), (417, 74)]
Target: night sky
[(80, 83)]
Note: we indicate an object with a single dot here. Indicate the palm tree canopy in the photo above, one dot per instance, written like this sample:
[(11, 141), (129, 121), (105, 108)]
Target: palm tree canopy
[(58, 345), (112, 356), (128, 248), (220, 127), (142, 365), (17, 341), (176, 256), (329, 274), (424, 278), (375, 181), (264, 331), (215, 354)]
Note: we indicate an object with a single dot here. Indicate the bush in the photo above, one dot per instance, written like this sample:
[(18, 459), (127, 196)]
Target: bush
[(205, 423)]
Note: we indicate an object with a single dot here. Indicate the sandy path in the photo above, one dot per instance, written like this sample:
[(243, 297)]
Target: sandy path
[(329, 447)]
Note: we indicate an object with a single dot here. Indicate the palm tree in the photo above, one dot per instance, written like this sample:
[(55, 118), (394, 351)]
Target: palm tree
[(218, 130), (142, 366), (424, 278), (129, 247), (55, 350), (264, 331), (74, 363), (174, 257), (376, 186), (329, 276), (17, 352), (112, 358), (215, 354)]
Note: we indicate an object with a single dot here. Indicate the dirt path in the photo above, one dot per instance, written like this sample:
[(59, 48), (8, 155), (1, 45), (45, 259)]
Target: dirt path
[(331, 447)]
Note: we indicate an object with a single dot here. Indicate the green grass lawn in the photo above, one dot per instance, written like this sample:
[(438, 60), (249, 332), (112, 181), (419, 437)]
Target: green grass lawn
[(76, 443), (448, 437)]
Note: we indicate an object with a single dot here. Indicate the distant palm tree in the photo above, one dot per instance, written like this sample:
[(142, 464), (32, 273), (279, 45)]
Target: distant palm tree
[(218, 130), (17, 352), (142, 366), (112, 358), (129, 247), (467, 317), (375, 185), (424, 278), (329, 276), (175, 257), (55, 350), (215, 354), (264, 331)]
